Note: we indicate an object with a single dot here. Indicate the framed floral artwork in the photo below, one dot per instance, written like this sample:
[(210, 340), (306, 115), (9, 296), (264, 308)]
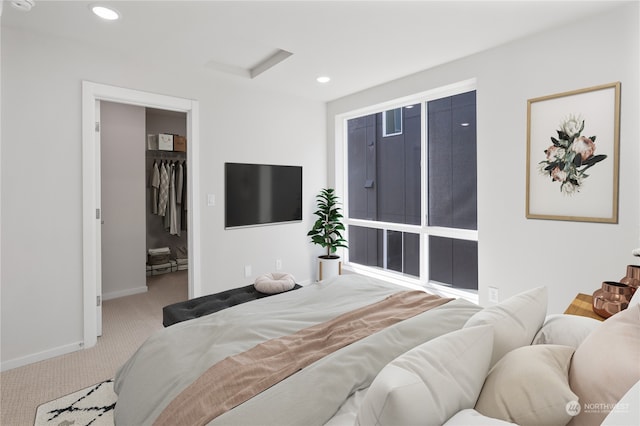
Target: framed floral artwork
[(572, 155)]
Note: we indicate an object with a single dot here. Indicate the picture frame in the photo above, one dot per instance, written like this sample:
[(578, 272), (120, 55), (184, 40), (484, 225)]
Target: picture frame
[(573, 155)]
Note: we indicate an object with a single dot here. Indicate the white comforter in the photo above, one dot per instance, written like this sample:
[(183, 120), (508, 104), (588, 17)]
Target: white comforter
[(173, 358)]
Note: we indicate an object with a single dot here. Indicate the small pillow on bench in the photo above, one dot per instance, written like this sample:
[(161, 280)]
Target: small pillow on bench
[(274, 282)]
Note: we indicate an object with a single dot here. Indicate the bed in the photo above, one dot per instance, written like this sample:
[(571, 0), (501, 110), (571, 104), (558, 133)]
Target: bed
[(442, 353)]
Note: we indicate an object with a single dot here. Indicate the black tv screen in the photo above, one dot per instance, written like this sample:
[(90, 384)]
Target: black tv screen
[(260, 194)]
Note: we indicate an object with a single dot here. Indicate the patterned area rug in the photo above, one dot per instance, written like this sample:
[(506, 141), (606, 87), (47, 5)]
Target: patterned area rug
[(90, 406)]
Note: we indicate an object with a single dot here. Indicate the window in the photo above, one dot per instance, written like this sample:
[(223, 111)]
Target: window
[(392, 122), (452, 195), (385, 249), (410, 190)]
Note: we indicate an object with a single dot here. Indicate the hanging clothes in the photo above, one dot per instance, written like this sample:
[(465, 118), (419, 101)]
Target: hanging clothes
[(174, 228), (155, 185), (163, 196), (167, 216), (184, 197), (179, 189)]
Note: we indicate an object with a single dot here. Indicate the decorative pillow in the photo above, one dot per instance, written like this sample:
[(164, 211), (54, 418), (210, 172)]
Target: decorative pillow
[(275, 282), (431, 382), (515, 321), (606, 365), (530, 386), (635, 299), (568, 330), (627, 410), (471, 417)]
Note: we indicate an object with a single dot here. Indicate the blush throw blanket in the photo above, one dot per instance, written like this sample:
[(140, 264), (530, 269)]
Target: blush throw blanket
[(238, 378)]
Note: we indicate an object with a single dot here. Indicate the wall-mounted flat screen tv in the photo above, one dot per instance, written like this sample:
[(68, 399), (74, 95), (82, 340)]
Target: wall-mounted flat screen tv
[(261, 194)]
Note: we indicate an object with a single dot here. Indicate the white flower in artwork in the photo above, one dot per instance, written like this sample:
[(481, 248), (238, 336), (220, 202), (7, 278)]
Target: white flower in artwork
[(572, 125)]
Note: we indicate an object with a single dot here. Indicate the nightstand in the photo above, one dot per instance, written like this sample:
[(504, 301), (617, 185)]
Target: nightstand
[(582, 305)]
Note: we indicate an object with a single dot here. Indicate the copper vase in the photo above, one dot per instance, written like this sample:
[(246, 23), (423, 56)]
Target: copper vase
[(612, 298), (632, 279)]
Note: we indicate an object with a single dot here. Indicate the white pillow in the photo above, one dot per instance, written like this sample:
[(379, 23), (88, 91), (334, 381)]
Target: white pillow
[(530, 386), (568, 330), (635, 299), (275, 282), (627, 410), (515, 321), (471, 417), (606, 365), (430, 383)]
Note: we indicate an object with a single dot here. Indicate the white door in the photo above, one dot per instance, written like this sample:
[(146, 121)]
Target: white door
[(91, 223), (99, 225)]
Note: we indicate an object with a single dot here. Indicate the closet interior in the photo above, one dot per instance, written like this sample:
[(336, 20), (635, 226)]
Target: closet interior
[(166, 192)]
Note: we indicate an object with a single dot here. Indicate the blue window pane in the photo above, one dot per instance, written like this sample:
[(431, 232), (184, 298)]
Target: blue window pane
[(367, 247), (384, 172), (453, 262), (452, 161)]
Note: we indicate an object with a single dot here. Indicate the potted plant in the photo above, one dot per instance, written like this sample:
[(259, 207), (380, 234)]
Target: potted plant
[(326, 232)]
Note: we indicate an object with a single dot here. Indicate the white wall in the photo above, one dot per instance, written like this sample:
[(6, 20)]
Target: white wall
[(41, 311), (516, 254), (122, 146)]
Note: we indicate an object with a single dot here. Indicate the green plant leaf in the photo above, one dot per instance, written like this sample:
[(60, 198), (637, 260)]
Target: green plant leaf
[(327, 227), (577, 160), (595, 159)]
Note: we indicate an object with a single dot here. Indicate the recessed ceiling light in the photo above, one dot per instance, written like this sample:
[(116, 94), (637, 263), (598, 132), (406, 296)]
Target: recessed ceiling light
[(464, 124), (323, 79), (24, 5), (105, 13)]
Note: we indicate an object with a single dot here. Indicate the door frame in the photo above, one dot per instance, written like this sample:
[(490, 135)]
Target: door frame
[(91, 255)]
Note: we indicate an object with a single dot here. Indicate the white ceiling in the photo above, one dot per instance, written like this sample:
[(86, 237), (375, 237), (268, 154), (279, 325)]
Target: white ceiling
[(359, 44)]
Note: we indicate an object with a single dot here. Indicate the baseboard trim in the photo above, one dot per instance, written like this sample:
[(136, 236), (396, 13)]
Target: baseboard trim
[(41, 356), (123, 293)]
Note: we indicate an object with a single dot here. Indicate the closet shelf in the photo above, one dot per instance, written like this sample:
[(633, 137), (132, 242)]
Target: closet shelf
[(165, 154)]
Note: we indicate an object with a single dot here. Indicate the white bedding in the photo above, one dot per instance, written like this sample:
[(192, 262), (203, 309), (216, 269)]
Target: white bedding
[(174, 357)]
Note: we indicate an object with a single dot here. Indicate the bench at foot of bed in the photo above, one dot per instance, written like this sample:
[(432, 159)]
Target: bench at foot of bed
[(205, 305)]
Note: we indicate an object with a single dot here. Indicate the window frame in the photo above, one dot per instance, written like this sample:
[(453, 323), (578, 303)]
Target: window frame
[(341, 185), (385, 132)]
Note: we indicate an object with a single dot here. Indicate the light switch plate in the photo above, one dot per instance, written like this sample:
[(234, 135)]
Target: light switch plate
[(494, 295)]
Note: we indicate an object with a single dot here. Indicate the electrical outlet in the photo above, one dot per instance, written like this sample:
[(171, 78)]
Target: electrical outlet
[(494, 295), (278, 264), (247, 271)]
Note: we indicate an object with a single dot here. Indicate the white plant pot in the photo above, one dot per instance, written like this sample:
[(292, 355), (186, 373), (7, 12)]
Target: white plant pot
[(329, 268)]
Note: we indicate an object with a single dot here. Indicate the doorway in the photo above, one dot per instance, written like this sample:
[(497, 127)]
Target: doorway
[(91, 159)]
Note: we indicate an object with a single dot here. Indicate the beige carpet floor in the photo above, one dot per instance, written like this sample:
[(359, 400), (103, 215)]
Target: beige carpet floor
[(127, 322)]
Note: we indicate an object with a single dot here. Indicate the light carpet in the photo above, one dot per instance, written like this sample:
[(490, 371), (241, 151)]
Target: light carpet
[(93, 406), (127, 323)]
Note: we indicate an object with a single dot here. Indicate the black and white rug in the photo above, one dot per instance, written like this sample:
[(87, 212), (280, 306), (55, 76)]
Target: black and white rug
[(90, 406)]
